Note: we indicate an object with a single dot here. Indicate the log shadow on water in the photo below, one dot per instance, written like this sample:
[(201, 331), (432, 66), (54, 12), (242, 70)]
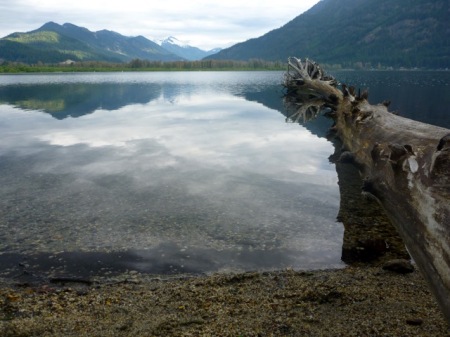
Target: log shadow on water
[(369, 236)]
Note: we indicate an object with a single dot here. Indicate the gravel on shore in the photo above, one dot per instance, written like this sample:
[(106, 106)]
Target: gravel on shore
[(354, 301)]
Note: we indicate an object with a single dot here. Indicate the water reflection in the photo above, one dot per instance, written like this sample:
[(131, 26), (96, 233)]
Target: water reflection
[(78, 94), (369, 236), (189, 175), (77, 99), (172, 172)]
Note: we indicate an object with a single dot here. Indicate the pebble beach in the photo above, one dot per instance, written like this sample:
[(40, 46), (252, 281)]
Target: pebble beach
[(353, 301)]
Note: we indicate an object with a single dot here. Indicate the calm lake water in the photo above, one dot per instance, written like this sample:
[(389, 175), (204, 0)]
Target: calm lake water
[(176, 172)]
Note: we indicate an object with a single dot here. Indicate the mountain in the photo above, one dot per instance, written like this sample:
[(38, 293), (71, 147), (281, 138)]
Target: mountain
[(53, 43), (409, 33), (175, 46)]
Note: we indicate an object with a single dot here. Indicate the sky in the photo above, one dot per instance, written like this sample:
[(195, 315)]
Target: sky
[(204, 24)]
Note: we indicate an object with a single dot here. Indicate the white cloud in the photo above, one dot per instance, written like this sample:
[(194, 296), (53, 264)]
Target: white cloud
[(203, 23)]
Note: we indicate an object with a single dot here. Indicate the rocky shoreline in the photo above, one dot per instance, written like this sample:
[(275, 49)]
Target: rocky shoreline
[(354, 301)]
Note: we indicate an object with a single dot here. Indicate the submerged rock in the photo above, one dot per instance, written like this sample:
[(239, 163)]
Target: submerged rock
[(400, 266)]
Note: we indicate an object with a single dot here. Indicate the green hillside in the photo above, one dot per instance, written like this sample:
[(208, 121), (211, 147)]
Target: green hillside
[(53, 43), (19, 52), (408, 33)]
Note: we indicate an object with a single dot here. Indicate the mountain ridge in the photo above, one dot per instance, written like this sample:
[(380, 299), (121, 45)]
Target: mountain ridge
[(409, 33), (54, 43)]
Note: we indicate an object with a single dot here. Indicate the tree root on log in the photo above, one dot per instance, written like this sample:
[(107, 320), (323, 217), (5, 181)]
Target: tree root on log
[(405, 165)]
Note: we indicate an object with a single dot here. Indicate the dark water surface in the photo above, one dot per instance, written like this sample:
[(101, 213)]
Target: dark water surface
[(175, 172), (419, 95)]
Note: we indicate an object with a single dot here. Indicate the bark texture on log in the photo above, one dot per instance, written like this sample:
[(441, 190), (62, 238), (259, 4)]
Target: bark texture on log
[(405, 165)]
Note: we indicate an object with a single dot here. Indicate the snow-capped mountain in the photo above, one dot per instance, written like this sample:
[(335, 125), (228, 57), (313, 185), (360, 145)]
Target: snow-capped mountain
[(174, 41), (184, 50)]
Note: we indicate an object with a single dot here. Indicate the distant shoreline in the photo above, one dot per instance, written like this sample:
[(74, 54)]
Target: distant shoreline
[(154, 66)]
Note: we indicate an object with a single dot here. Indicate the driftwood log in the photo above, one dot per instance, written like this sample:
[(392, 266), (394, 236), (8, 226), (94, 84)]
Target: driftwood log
[(405, 166)]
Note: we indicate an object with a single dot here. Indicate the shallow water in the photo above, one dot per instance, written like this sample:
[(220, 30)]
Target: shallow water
[(163, 173)]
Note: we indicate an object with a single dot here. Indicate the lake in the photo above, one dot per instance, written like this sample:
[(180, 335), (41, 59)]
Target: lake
[(176, 172)]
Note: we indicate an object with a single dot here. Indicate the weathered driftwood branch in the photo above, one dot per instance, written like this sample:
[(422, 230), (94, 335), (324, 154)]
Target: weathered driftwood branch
[(308, 79), (405, 165)]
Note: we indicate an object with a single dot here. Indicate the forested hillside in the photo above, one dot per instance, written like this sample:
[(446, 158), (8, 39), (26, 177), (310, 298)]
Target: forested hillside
[(359, 33)]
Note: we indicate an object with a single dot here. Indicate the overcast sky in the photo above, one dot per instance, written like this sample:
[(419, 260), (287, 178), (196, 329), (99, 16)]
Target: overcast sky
[(204, 23)]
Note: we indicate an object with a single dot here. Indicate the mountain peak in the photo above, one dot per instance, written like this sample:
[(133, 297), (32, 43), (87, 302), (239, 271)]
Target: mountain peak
[(172, 40), (183, 49), (49, 25)]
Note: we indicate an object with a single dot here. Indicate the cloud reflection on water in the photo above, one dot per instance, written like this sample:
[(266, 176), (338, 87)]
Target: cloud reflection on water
[(230, 135), (203, 170)]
